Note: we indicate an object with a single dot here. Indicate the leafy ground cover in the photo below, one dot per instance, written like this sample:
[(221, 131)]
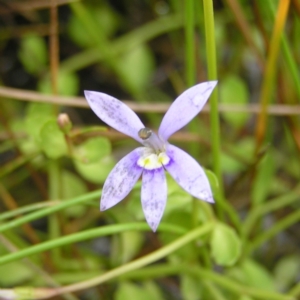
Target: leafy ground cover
[(55, 154)]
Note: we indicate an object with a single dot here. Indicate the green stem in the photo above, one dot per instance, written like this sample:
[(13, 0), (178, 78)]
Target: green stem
[(226, 283), (50, 210), (25, 209), (85, 235), (141, 262), (54, 193), (274, 230), (272, 205), (212, 75), (190, 65), (125, 43)]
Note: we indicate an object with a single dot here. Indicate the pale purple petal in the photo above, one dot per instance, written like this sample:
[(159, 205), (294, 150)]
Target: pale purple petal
[(188, 174), (185, 107), (154, 196), (115, 113), (121, 179)]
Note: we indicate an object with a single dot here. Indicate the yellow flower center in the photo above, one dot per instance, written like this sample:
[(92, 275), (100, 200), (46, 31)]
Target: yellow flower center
[(151, 161)]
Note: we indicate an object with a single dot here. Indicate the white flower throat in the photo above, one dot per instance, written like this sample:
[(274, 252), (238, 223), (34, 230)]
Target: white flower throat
[(154, 155)]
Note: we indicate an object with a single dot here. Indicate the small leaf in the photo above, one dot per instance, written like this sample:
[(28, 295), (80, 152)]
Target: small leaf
[(263, 180), (52, 140), (93, 160), (177, 197), (233, 90), (68, 84), (190, 287), (244, 148), (286, 272), (15, 273), (225, 245), (102, 15), (33, 53), (93, 149), (245, 297), (37, 114), (123, 251), (72, 186), (127, 290), (95, 172), (136, 67), (257, 276)]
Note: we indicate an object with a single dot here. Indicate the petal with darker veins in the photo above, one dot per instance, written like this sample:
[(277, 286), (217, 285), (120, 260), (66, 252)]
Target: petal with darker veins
[(121, 179), (154, 196), (185, 107), (188, 174), (115, 113)]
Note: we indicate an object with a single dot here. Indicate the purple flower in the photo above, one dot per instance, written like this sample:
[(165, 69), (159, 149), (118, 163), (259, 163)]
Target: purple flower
[(155, 155)]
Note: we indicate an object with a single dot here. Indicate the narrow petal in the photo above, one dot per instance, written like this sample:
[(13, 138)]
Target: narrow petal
[(121, 179), (185, 107), (115, 113), (154, 196), (188, 174)]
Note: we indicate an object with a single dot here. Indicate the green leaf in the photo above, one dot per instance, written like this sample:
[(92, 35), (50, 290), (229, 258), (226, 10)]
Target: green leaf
[(245, 297), (95, 172), (15, 273), (37, 114), (136, 67), (93, 149), (177, 197), (263, 180), (244, 149), (52, 140), (190, 287), (72, 186), (33, 53), (233, 90), (93, 160), (123, 251), (153, 290), (255, 275), (103, 17), (286, 272), (127, 290), (225, 245), (68, 84)]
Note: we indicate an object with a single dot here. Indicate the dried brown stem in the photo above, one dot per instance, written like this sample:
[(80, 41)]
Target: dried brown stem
[(252, 108)]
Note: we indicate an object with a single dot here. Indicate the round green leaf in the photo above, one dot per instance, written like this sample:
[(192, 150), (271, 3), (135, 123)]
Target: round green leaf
[(33, 46), (68, 84), (37, 114), (128, 290), (93, 150), (233, 90), (72, 186), (286, 272), (257, 276), (52, 140), (225, 245), (136, 67)]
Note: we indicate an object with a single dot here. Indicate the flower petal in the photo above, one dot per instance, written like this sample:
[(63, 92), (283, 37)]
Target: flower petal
[(185, 107), (115, 113), (188, 174), (154, 196), (121, 179)]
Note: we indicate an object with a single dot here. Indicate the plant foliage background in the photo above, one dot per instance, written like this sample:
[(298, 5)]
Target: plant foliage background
[(54, 241)]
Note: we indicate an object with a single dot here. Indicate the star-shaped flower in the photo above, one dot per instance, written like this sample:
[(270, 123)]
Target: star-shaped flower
[(156, 155)]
